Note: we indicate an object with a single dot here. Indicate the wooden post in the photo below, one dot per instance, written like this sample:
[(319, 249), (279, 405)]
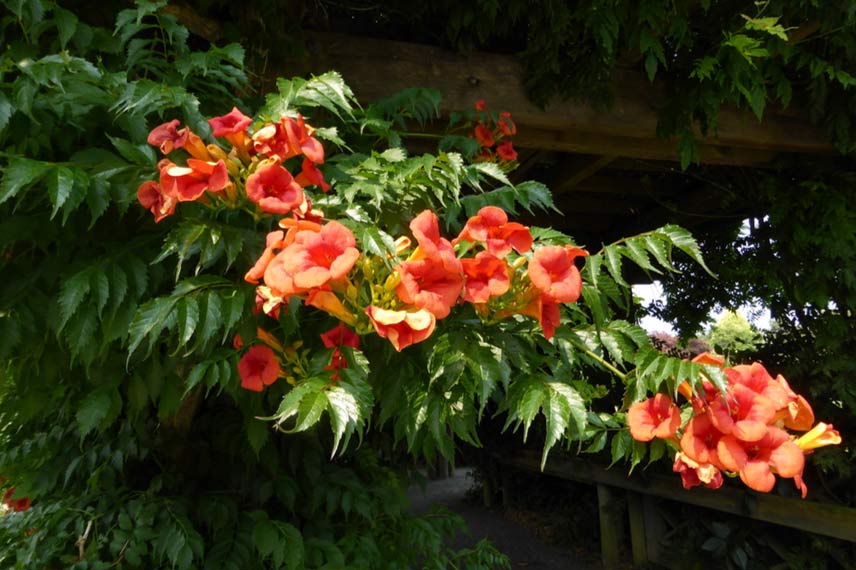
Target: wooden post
[(488, 481), (611, 527), (655, 528), (638, 543), (506, 488)]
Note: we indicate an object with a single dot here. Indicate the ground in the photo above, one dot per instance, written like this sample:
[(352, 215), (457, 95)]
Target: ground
[(517, 532)]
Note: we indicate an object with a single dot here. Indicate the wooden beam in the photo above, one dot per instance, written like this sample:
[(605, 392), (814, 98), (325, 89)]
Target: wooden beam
[(821, 518), (576, 174), (377, 68)]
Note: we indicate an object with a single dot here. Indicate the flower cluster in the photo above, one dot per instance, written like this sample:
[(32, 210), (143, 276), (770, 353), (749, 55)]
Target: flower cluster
[(742, 431), (490, 131), (486, 265), (254, 170), (490, 265), (16, 505)]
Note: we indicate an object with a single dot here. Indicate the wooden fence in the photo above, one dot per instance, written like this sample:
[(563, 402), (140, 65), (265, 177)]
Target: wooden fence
[(641, 492)]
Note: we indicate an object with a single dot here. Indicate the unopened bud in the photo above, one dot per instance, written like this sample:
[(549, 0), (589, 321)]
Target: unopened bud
[(518, 263), (392, 281), (217, 153), (402, 244)]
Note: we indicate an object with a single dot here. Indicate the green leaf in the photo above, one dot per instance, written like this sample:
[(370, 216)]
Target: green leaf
[(613, 263), (394, 154), (257, 434), (660, 250), (71, 295), (622, 446), (350, 403), (93, 410), (149, 321), (188, 318), (20, 175), (563, 405), (683, 240), (66, 23), (142, 154), (492, 170), (6, 110), (635, 250)]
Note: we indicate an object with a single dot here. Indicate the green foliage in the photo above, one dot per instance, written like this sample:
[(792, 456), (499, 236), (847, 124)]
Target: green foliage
[(120, 334), (732, 333)]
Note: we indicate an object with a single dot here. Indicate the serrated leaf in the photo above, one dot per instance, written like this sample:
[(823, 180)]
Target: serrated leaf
[(591, 271), (635, 250), (257, 434), (613, 263), (148, 322), (492, 170), (20, 175), (659, 250), (6, 110), (93, 410), (188, 318), (394, 154), (622, 445), (71, 295), (683, 240), (350, 402), (100, 288), (66, 24)]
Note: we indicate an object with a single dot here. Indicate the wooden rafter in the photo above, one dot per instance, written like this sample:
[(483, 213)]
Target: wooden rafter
[(377, 68)]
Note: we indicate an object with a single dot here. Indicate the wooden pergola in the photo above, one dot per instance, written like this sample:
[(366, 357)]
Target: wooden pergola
[(610, 173)]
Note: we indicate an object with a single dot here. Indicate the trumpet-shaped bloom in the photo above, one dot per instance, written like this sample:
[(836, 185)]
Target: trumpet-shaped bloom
[(167, 137), (486, 277), (300, 139), (274, 242), (756, 460), (755, 377), (484, 136), (234, 122), (820, 436), (694, 473), (273, 189), (797, 415), (506, 124), (505, 151), (402, 328), (426, 230), (553, 272), (188, 183), (654, 417), (310, 175), (258, 368), (491, 227), (700, 439), (545, 311), (328, 302), (16, 505), (429, 284), (742, 412), (153, 199), (316, 258), (271, 141), (338, 336)]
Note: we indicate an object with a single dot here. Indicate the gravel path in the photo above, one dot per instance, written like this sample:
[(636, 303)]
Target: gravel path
[(524, 549)]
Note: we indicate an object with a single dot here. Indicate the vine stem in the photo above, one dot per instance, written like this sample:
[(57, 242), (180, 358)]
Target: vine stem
[(600, 360)]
